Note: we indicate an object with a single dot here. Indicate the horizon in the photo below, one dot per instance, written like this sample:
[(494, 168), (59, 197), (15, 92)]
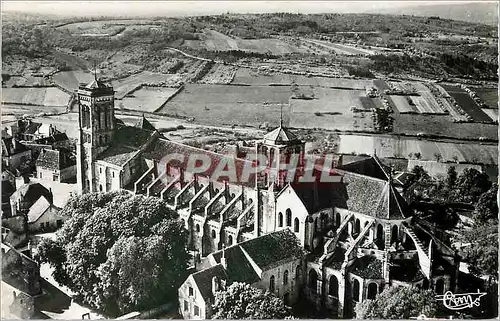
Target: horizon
[(193, 8)]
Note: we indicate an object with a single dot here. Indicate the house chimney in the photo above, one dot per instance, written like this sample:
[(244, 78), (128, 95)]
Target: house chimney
[(215, 285)]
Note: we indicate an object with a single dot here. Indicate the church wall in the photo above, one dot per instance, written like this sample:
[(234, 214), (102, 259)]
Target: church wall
[(289, 201)]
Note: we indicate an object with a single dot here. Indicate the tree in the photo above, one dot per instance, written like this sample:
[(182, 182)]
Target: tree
[(481, 249), (486, 208), (119, 252), (451, 178), (471, 184), (242, 301), (398, 303)]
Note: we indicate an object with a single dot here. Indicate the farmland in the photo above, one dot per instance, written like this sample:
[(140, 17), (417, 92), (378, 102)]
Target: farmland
[(49, 96), (428, 150), (216, 41), (70, 80), (146, 99), (248, 76), (129, 84), (341, 49), (467, 103), (228, 104), (488, 96)]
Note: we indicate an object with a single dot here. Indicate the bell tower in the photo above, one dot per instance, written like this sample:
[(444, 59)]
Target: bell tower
[(96, 124)]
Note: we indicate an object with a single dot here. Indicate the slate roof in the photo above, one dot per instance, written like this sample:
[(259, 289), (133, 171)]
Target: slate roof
[(279, 136), (54, 159), (7, 188), (203, 279), (163, 147), (31, 192), (38, 209)]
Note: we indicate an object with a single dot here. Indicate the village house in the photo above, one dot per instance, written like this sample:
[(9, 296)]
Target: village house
[(14, 153), (26, 195), (55, 165), (43, 216), (358, 232), (20, 284), (273, 262), (8, 188)]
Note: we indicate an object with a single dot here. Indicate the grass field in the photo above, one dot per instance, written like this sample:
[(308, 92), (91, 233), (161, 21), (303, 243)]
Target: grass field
[(71, 79), (442, 125), (35, 96), (228, 104), (467, 103), (252, 77), (342, 49), (128, 84), (146, 99), (403, 148), (402, 104), (329, 101), (216, 41), (488, 96)]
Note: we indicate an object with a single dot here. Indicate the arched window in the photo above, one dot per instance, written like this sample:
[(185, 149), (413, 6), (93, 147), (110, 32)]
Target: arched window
[(280, 219), (333, 286), (355, 290), (372, 291), (316, 225), (357, 227), (271, 283), (298, 274), (394, 234), (296, 225), (313, 281), (426, 284), (230, 240), (100, 187), (213, 234), (285, 277), (198, 228), (288, 217), (440, 286)]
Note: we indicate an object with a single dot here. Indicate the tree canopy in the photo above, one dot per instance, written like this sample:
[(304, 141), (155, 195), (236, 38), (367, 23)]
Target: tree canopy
[(398, 303), (242, 301), (119, 252)]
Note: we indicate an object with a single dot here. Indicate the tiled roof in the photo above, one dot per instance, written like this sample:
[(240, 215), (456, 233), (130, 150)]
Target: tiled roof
[(280, 135), (117, 155), (32, 128), (370, 196), (54, 159), (37, 209), (163, 147), (203, 280), (369, 167), (272, 248), (144, 124), (368, 267), (131, 136), (31, 192), (7, 188), (58, 137), (239, 268), (96, 84)]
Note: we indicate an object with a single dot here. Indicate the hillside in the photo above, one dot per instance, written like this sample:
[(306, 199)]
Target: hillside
[(477, 12)]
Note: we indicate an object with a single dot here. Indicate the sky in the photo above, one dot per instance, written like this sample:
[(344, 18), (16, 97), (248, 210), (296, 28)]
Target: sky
[(182, 8)]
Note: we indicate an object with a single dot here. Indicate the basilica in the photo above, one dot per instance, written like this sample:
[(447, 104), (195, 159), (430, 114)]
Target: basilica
[(333, 244)]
